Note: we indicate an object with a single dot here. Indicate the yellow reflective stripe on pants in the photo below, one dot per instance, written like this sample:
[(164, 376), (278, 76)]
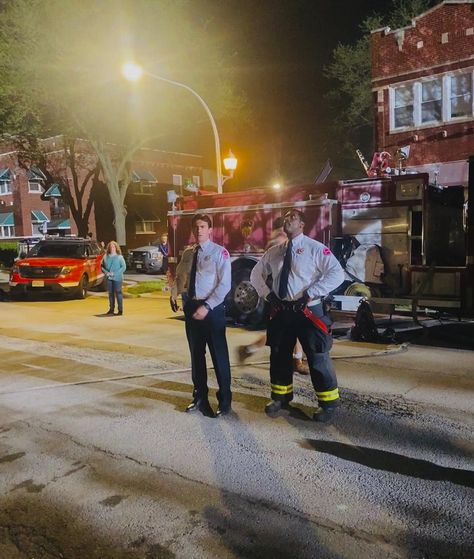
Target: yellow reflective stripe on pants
[(278, 389), (328, 395)]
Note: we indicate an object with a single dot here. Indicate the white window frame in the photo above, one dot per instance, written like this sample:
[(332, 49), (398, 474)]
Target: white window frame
[(177, 180), (7, 231), (144, 189), (144, 223), (446, 117), (34, 190), (197, 180), (5, 187)]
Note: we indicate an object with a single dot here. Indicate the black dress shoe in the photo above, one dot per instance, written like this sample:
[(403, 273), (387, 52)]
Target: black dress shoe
[(110, 312), (325, 415), (276, 407), (221, 412), (203, 407)]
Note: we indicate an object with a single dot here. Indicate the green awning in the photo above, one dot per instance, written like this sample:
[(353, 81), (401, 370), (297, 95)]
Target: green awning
[(5, 174), (53, 191), (141, 175), (34, 173), (147, 215), (59, 224), (38, 215), (7, 219)]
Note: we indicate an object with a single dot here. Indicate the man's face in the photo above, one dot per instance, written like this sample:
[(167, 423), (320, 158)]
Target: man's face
[(201, 231), (164, 239), (292, 224)]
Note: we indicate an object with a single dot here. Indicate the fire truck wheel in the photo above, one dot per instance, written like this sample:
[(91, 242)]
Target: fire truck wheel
[(243, 303)]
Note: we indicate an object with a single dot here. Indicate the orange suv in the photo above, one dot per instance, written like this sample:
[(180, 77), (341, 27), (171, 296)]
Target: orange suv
[(60, 264)]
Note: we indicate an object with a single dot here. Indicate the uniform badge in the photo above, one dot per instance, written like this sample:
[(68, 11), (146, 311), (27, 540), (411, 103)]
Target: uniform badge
[(326, 251), (225, 254), (207, 258), (299, 250)]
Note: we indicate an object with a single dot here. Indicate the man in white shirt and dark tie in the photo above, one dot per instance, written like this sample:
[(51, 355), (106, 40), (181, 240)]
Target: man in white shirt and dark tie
[(205, 269), (303, 271)]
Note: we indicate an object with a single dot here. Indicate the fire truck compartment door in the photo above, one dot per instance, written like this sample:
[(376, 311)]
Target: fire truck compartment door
[(375, 221)]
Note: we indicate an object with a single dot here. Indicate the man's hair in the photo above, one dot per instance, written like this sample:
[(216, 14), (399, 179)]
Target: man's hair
[(298, 213), (201, 217)]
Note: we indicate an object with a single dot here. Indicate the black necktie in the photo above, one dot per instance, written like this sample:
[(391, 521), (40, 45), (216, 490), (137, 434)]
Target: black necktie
[(192, 275), (285, 272)]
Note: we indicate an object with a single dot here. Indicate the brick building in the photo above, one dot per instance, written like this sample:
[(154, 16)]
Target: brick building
[(31, 203), (423, 83)]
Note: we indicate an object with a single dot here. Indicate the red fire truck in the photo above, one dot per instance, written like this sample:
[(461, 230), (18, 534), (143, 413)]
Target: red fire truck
[(399, 239)]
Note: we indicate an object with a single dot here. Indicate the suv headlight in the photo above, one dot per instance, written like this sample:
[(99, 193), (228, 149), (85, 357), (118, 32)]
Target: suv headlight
[(65, 270)]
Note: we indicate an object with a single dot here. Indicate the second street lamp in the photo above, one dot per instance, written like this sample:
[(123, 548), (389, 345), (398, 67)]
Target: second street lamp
[(134, 72)]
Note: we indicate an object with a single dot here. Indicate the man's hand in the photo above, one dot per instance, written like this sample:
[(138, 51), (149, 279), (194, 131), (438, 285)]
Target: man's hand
[(275, 302), (200, 313), (173, 304), (300, 304)]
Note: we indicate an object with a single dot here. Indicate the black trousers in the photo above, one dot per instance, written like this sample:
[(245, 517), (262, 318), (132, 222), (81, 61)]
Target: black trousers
[(283, 330), (210, 332)]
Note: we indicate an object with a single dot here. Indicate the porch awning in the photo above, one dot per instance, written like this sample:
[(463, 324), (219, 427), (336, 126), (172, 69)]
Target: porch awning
[(451, 173), (38, 215), (140, 175), (59, 224), (7, 219), (53, 191), (5, 174), (34, 173)]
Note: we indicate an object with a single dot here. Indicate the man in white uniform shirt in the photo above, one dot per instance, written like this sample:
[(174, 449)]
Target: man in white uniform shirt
[(206, 271), (303, 271)]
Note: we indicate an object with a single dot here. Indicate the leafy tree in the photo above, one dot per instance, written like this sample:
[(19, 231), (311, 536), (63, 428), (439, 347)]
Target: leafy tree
[(60, 64), (350, 96)]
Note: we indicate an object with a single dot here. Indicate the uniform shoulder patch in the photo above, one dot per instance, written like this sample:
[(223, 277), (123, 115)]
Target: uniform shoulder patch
[(326, 251), (225, 254)]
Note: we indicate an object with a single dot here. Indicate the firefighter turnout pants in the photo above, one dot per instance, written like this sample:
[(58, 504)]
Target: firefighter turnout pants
[(283, 329)]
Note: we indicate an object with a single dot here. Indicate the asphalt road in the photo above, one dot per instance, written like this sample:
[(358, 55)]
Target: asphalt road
[(98, 460)]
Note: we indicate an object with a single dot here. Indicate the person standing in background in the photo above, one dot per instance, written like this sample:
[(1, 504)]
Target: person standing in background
[(113, 266)]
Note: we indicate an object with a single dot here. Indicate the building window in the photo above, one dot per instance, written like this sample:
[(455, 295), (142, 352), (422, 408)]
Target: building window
[(144, 227), (431, 100), (5, 187), (7, 231), (436, 100), (177, 180), (143, 188), (34, 187), (197, 180), (461, 95), (403, 106)]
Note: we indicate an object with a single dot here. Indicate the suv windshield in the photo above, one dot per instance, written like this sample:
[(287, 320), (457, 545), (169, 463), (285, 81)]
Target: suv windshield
[(58, 250)]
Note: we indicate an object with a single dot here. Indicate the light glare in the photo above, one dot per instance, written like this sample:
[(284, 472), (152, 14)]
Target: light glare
[(132, 71)]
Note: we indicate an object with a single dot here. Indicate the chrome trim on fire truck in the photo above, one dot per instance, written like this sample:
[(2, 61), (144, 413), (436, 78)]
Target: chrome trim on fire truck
[(281, 205)]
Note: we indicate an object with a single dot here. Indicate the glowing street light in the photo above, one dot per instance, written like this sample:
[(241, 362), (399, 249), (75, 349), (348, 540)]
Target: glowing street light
[(276, 186), (133, 72)]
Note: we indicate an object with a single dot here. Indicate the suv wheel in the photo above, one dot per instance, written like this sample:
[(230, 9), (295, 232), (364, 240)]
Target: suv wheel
[(82, 289)]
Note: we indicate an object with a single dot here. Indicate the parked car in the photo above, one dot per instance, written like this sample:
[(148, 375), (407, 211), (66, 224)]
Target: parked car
[(62, 265), (147, 259)]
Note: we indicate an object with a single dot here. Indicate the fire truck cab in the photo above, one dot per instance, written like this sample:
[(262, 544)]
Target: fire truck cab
[(399, 239)]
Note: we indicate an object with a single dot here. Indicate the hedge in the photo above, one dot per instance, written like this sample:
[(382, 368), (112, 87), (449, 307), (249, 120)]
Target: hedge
[(8, 253)]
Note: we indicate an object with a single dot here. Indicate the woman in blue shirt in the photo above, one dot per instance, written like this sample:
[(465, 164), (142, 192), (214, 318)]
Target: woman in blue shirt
[(113, 266)]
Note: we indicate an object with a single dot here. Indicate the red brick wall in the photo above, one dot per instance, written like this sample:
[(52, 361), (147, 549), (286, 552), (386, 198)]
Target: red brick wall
[(449, 141)]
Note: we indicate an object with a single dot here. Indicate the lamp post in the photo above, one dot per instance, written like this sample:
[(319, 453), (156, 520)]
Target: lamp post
[(134, 72)]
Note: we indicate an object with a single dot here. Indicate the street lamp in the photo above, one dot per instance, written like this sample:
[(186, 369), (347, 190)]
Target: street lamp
[(134, 72)]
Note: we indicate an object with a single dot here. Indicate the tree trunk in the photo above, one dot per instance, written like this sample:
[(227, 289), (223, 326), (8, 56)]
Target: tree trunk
[(119, 223)]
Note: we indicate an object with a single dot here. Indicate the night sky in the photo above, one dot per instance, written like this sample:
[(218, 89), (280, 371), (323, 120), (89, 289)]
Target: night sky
[(280, 49)]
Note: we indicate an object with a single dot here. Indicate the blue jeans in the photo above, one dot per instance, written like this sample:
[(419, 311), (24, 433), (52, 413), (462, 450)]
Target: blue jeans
[(115, 292)]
